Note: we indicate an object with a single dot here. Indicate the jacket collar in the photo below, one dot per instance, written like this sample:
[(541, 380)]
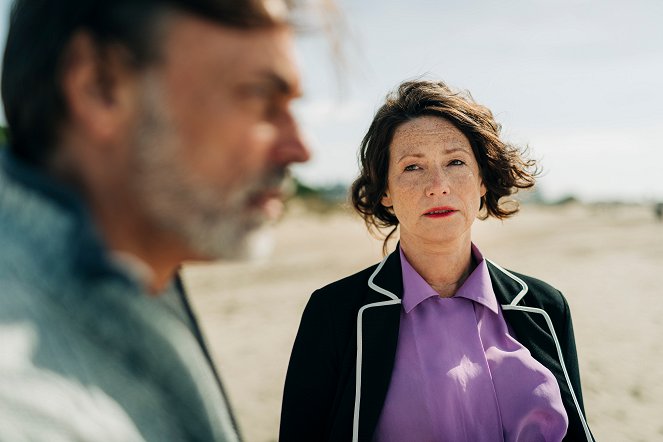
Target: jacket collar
[(388, 282), (46, 213), (387, 278), (509, 288)]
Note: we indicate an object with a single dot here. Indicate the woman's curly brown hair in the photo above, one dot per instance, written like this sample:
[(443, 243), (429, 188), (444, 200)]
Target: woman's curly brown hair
[(504, 167)]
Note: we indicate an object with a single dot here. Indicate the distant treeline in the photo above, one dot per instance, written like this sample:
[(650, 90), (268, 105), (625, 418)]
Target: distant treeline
[(335, 193), (338, 194)]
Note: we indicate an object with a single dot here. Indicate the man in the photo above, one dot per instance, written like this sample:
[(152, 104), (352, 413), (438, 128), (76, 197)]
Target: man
[(143, 134)]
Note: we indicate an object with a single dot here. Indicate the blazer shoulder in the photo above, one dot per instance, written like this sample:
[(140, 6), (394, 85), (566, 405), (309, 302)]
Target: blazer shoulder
[(359, 279), (542, 294), (345, 291)]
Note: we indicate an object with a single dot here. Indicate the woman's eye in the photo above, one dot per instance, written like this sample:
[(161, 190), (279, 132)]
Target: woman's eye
[(412, 167), (456, 163)]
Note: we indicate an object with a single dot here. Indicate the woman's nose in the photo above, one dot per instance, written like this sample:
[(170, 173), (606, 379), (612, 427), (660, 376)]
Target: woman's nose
[(438, 183)]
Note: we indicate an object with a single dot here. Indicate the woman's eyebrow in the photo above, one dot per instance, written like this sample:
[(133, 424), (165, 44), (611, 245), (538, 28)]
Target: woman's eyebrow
[(450, 150), (456, 149), (407, 155)]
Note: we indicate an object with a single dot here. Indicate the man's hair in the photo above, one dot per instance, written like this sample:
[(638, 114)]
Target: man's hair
[(503, 167), (41, 30)]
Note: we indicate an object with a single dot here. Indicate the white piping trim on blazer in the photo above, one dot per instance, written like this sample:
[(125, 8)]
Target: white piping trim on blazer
[(393, 300), (378, 289), (355, 421), (513, 306), (561, 359), (523, 292)]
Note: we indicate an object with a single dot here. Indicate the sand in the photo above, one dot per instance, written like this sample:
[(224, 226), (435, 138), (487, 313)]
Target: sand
[(608, 261)]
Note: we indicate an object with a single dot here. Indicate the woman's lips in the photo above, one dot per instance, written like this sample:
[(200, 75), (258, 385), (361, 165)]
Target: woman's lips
[(439, 212)]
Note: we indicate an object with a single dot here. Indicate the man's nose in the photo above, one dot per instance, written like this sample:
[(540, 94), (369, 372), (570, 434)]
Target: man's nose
[(291, 146)]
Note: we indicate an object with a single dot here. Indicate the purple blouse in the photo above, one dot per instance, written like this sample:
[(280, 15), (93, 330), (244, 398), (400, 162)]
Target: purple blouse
[(459, 375)]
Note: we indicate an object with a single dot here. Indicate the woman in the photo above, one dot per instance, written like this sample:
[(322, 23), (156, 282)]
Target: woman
[(435, 342)]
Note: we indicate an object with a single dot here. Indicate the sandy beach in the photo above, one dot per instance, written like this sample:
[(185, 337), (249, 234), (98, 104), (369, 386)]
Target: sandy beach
[(607, 260)]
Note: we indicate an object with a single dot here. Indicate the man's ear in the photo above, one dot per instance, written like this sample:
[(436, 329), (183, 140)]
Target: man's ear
[(95, 85)]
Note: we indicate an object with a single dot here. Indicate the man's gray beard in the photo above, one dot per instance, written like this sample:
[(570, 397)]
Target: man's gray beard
[(214, 223)]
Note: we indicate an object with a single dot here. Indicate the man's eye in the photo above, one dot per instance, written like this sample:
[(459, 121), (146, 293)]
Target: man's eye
[(412, 167), (257, 91)]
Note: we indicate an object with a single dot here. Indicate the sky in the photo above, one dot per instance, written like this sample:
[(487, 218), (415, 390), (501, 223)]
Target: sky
[(580, 82)]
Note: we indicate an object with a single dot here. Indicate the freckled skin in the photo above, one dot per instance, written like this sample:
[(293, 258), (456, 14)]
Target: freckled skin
[(432, 165)]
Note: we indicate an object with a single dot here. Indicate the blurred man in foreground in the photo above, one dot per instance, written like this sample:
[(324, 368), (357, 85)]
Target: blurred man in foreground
[(142, 134)]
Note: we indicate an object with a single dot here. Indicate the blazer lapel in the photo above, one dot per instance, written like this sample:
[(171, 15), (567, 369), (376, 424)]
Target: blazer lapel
[(378, 325), (526, 318), (530, 329)]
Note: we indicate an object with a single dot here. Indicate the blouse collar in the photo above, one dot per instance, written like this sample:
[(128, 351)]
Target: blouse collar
[(477, 287)]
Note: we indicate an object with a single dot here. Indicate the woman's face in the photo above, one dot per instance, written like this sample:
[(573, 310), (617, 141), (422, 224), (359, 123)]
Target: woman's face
[(433, 185)]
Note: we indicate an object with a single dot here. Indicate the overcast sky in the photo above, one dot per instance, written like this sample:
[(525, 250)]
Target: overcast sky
[(580, 82)]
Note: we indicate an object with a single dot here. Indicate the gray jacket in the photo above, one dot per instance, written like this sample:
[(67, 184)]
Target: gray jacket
[(85, 353)]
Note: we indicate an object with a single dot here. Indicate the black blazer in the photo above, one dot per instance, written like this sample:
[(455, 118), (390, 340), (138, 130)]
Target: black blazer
[(343, 356)]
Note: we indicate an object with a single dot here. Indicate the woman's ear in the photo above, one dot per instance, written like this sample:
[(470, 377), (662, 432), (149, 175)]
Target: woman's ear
[(386, 199)]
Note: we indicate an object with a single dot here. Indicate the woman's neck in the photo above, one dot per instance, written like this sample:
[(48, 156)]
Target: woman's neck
[(444, 268)]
